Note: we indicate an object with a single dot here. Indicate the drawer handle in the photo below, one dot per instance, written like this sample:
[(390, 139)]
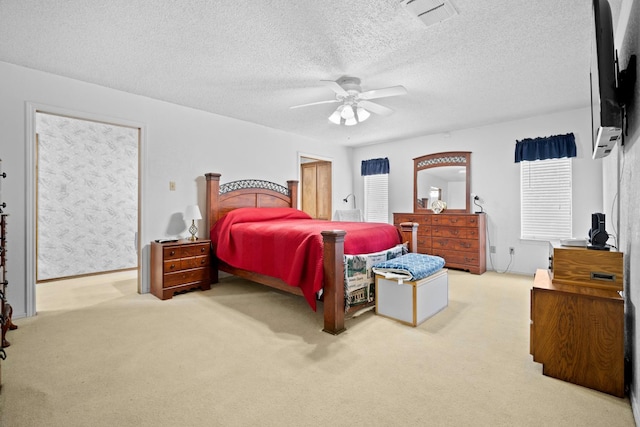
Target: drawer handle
[(172, 253), (453, 220), (203, 261), (172, 266), (455, 232), (202, 249)]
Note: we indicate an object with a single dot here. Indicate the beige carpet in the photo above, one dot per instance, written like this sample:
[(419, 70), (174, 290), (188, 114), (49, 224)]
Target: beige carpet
[(243, 355)]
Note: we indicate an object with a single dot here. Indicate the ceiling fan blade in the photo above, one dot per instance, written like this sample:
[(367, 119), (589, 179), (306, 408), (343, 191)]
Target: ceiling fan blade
[(383, 93), (334, 86), (315, 103), (375, 108)]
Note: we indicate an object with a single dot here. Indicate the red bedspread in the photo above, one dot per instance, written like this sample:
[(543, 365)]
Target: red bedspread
[(286, 243)]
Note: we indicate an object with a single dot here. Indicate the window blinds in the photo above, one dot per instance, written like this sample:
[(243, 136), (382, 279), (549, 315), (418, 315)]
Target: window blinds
[(376, 198), (546, 199)]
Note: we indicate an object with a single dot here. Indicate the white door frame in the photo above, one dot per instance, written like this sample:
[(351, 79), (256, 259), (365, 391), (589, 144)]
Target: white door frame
[(30, 170)]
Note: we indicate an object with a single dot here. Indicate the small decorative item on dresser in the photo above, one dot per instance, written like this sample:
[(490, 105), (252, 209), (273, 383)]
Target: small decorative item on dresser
[(180, 266), (192, 213), (438, 206)]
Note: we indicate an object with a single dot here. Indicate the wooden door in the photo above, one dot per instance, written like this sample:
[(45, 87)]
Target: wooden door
[(316, 189)]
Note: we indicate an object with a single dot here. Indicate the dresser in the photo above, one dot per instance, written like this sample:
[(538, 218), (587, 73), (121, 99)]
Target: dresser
[(459, 238), (180, 266)]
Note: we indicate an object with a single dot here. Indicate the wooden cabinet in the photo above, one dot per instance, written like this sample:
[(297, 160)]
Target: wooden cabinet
[(585, 267), (180, 266), (316, 189), (458, 238), (577, 333)]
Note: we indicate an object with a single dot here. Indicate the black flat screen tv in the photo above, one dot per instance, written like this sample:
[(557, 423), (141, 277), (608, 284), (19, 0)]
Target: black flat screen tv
[(606, 113)]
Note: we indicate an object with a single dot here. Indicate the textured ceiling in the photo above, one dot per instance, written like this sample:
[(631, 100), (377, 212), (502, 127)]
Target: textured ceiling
[(251, 60)]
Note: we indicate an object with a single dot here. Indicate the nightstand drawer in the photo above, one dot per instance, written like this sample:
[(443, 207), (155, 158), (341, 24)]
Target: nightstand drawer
[(194, 262), (171, 252), (185, 276), (194, 250), (171, 266)]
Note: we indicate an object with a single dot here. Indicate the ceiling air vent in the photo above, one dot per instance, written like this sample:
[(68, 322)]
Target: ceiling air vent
[(430, 11)]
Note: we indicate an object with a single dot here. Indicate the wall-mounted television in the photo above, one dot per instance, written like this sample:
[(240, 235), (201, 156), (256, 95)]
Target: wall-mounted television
[(606, 113)]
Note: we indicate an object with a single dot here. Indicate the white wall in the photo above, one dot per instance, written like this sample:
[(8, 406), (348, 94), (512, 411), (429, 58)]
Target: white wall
[(179, 144), (495, 178)]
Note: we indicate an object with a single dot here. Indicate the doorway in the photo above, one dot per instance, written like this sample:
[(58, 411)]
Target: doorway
[(84, 177), (315, 184)]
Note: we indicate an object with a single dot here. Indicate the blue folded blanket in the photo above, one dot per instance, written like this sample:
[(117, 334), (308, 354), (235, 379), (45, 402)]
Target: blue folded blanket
[(410, 267)]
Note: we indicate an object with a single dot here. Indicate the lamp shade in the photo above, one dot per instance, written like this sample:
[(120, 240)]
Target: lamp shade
[(192, 212), (362, 114)]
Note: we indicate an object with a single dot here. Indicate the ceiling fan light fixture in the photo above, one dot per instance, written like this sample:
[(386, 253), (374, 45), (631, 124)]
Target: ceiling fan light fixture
[(335, 117), (362, 114), (347, 112), (350, 121)]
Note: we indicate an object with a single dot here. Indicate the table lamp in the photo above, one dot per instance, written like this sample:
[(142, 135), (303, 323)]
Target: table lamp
[(193, 213)]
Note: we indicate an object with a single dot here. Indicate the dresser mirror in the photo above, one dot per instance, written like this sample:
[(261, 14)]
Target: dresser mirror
[(445, 177)]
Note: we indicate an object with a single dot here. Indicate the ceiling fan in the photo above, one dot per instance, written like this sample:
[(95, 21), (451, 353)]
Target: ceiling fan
[(355, 104)]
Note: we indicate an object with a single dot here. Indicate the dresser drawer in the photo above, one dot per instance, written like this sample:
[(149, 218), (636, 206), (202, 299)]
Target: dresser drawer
[(455, 232), (458, 258), (424, 231), (454, 244), (450, 220), (185, 276), (409, 217), (424, 245)]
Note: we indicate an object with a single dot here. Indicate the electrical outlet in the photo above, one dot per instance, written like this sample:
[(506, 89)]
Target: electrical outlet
[(492, 249), (512, 251), (172, 186)]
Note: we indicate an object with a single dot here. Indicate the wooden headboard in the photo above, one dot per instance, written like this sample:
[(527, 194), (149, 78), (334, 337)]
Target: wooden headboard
[(246, 193)]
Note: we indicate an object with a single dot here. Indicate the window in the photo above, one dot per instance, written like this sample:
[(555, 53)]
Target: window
[(545, 204), (376, 198)]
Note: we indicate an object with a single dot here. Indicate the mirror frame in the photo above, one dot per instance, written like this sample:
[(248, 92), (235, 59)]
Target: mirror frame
[(448, 158)]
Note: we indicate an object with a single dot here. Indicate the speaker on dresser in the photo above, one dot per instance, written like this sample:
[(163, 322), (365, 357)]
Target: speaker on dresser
[(598, 236)]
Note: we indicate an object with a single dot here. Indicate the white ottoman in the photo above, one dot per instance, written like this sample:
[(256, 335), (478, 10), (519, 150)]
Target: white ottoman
[(412, 302)]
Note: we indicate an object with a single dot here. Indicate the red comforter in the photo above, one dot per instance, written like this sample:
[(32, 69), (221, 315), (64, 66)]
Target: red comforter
[(286, 243)]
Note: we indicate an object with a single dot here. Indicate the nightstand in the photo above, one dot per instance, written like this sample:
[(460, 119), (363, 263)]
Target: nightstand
[(180, 266)]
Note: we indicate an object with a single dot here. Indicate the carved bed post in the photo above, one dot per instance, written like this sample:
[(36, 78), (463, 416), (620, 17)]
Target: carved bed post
[(293, 193), (213, 192), (333, 266), (409, 231)]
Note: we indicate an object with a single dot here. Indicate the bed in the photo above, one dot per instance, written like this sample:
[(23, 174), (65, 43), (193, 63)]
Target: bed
[(239, 199)]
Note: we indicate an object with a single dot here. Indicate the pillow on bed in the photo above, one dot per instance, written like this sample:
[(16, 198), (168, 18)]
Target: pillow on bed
[(263, 214)]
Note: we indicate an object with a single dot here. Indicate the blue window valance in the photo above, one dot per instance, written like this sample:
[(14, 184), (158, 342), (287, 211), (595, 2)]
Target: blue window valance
[(375, 167), (550, 147)]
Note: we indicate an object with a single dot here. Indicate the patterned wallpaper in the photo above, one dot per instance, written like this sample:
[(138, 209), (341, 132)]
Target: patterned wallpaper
[(87, 209)]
